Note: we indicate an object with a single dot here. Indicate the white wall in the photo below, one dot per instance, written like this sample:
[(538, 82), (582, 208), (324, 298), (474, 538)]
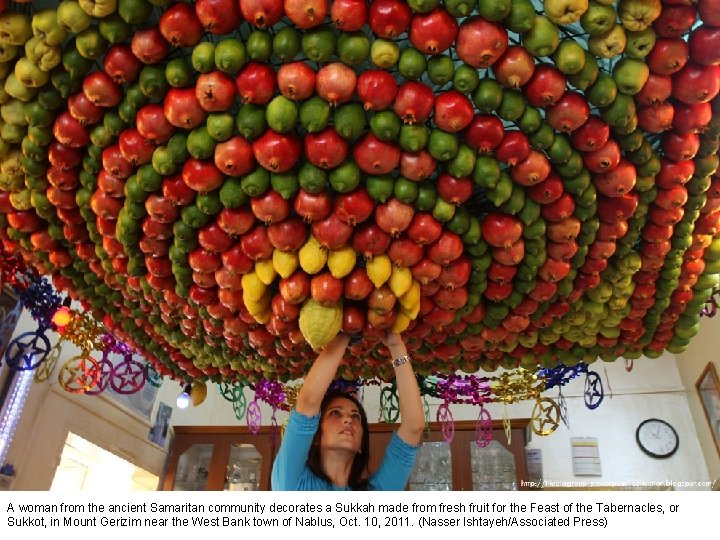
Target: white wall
[(702, 349), (653, 389)]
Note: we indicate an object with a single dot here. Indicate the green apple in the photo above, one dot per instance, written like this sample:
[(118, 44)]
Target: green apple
[(71, 17), (630, 75), (598, 18), (610, 44), (45, 26), (7, 52), (565, 12), (15, 28), (98, 8), (543, 37), (13, 112), (637, 15), (29, 74), (639, 44)]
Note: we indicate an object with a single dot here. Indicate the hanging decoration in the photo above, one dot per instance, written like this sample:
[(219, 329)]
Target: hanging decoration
[(79, 374), (27, 351), (483, 428), (46, 368), (562, 405), (105, 370), (153, 377), (545, 416), (389, 404), (594, 392)]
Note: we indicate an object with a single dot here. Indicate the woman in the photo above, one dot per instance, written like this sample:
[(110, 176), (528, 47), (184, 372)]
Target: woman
[(335, 457)]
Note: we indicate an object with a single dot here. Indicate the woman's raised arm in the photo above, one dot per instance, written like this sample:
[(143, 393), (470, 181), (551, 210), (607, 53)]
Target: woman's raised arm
[(412, 417), (320, 376)]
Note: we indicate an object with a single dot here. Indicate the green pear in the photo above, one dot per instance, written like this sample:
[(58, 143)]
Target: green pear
[(43, 55), (637, 15), (598, 18), (98, 8), (565, 12), (639, 44), (46, 27), (610, 44), (15, 28), (630, 75), (71, 17), (542, 39)]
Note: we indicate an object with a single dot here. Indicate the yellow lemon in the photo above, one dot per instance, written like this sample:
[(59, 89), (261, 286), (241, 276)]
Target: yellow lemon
[(312, 256), (253, 286), (400, 280), (379, 269), (285, 262), (402, 321), (259, 309), (341, 261), (410, 301), (265, 271)]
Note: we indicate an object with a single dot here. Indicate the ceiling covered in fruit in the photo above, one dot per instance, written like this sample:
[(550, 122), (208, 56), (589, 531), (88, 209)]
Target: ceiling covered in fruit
[(225, 185)]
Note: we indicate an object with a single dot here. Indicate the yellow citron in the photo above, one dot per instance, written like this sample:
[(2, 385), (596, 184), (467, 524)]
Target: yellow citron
[(312, 256), (285, 262), (379, 269), (265, 271), (253, 286), (341, 261), (410, 301), (320, 324), (400, 280), (402, 321)]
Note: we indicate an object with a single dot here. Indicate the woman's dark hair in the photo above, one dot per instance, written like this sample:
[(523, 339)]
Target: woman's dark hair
[(358, 471)]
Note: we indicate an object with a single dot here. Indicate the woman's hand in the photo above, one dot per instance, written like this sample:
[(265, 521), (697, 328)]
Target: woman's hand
[(392, 340)]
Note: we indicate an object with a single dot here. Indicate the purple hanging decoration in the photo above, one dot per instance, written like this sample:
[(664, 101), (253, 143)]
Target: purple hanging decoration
[(483, 428)]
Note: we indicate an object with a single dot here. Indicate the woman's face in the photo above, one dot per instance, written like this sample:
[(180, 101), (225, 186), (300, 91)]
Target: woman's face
[(341, 427)]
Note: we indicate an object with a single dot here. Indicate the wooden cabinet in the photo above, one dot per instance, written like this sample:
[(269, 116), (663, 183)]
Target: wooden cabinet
[(232, 458)]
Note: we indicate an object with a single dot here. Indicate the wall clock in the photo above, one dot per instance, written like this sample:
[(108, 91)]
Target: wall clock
[(657, 438)]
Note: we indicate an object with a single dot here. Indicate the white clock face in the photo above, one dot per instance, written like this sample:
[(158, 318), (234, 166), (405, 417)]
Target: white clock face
[(657, 438)]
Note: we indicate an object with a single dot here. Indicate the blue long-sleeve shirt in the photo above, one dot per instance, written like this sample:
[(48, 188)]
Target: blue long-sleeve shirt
[(291, 472)]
